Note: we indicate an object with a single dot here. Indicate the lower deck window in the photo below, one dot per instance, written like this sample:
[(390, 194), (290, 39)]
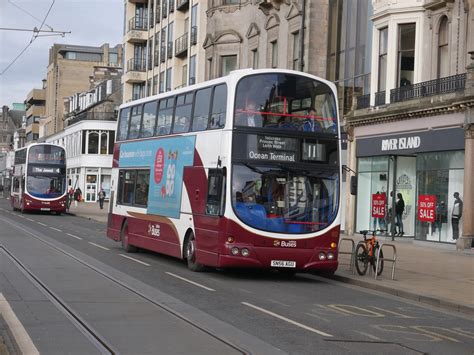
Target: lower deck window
[(133, 187)]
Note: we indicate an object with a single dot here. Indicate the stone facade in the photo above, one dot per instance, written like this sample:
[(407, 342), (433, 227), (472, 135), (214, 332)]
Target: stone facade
[(266, 34), (434, 100), (68, 72)]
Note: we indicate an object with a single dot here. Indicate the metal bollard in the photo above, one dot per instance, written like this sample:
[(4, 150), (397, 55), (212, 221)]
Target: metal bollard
[(393, 261)]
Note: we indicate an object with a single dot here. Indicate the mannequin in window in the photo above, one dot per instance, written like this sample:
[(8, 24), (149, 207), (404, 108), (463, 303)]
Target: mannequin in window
[(456, 215)]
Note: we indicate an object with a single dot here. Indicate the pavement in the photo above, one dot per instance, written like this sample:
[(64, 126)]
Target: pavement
[(426, 272)]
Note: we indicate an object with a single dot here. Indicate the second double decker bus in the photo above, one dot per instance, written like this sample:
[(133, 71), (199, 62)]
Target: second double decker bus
[(39, 179), (241, 171)]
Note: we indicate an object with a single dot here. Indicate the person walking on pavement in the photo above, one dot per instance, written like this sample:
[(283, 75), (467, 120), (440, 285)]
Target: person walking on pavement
[(399, 208), (101, 196), (77, 196), (456, 215)]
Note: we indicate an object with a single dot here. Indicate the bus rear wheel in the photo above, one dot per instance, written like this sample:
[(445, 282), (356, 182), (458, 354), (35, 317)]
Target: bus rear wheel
[(124, 238), (190, 254)]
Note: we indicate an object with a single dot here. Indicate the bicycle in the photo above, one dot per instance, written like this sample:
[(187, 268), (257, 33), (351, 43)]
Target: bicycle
[(366, 253)]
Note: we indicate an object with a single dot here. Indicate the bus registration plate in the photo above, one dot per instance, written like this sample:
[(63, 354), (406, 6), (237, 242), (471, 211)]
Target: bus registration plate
[(45, 209), (283, 263)]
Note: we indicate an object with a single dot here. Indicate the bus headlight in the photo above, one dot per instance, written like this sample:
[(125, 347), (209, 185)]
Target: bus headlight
[(322, 256), (245, 252), (234, 251), (330, 256)]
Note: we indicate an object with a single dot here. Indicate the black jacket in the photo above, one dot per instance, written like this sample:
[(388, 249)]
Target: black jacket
[(400, 206)]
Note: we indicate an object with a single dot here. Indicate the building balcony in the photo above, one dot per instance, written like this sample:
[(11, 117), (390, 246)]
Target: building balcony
[(136, 65), (32, 127), (35, 110), (182, 5), (36, 95), (428, 88), (136, 71), (137, 30), (380, 98), (363, 101), (181, 46), (90, 115)]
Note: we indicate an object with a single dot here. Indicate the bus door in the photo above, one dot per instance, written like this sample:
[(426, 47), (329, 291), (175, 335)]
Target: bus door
[(208, 221)]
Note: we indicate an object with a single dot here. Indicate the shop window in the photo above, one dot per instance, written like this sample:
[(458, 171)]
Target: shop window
[(440, 175), (93, 143), (103, 143)]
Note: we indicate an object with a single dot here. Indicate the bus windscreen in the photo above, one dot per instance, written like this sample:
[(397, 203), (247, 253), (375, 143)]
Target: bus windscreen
[(285, 102)]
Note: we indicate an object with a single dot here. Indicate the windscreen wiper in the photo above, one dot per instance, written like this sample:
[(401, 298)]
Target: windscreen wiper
[(253, 168)]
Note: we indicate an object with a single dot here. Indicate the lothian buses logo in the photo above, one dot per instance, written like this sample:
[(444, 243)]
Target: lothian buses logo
[(284, 243), (154, 230)]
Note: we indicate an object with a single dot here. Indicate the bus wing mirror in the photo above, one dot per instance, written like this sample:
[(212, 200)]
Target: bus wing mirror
[(353, 185)]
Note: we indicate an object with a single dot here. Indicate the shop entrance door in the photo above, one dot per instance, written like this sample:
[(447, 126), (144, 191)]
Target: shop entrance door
[(91, 188), (402, 180)]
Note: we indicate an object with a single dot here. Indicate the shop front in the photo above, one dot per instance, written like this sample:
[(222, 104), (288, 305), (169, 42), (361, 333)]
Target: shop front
[(425, 169)]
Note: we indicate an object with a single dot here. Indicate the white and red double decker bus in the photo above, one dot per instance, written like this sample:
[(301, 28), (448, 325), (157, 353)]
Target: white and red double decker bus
[(39, 179), (241, 171)]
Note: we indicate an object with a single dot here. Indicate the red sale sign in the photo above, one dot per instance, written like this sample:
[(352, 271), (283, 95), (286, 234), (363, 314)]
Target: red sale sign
[(379, 202), (427, 208)]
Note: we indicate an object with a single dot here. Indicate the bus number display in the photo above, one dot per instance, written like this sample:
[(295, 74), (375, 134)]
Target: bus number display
[(314, 151)]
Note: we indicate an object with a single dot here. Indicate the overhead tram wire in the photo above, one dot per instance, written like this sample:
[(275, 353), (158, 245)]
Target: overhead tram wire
[(28, 13), (33, 38)]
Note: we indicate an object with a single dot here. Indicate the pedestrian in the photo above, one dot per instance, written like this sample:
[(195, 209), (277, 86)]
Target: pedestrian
[(456, 215), (77, 196), (70, 196), (399, 208), (101, 196)]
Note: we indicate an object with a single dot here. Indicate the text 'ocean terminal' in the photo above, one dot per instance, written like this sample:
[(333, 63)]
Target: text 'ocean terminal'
[(272, 156)]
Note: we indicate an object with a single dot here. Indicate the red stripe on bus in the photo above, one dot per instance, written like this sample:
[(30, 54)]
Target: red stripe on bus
[(287, 115)]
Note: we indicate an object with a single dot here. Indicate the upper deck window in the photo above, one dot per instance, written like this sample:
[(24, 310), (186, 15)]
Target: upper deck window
[(165, 116), (219, 107), (135, 122), (149, 119), (123, 124), (285, 102), (182, 116)]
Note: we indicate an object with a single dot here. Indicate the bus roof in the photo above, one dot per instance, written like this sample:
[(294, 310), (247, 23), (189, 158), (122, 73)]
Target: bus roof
[(233, 77)]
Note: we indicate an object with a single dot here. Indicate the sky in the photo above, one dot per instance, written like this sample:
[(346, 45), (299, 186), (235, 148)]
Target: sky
[(91, 22)]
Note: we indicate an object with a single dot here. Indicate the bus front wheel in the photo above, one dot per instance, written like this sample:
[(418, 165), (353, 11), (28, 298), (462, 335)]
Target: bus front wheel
[(124, 238), (190, 254)]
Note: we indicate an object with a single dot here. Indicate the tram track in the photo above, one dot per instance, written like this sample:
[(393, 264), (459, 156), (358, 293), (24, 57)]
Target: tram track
[(84, 327), (96, 339)]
